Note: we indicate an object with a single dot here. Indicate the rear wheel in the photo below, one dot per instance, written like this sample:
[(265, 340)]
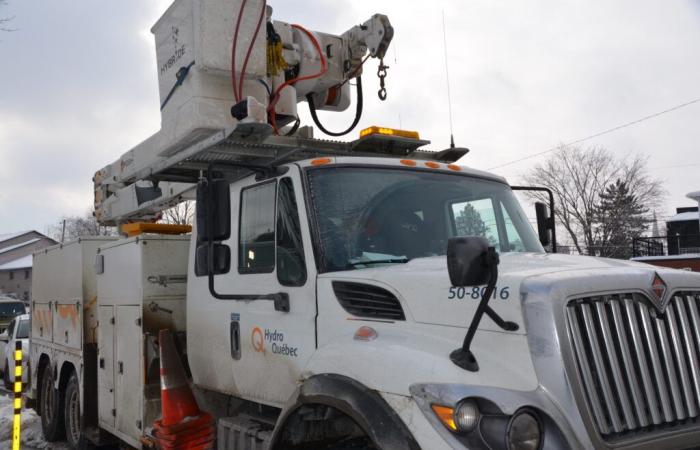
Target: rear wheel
[(50, 408), (72, 412)]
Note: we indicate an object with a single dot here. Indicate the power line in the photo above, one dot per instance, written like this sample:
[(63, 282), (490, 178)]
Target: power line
[(611, 130), (675, 166)]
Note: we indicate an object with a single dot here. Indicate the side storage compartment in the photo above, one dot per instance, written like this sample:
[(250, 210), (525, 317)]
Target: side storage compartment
[(129, 377), (64, 317), (105, 367), (68, 324), (42, 321), (140, 291)]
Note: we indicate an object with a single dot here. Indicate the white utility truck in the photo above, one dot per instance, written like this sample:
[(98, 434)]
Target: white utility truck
[(332, 294)]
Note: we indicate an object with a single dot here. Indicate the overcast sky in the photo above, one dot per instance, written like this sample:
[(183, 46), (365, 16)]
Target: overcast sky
[(78, 86)]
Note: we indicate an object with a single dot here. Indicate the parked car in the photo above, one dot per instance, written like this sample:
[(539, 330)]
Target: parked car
[(18, 330), (9, 309)]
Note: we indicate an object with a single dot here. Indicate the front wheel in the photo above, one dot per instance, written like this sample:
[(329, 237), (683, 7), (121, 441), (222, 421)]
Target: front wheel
[(50, 408), (72, 412)]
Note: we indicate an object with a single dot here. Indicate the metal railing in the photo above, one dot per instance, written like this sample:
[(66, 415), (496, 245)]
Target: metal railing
[(680, 244)]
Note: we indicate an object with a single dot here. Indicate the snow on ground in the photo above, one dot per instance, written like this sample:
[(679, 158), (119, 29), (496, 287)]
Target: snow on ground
[(31, 436)]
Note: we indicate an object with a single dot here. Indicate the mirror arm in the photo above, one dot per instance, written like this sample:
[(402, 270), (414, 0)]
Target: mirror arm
[(552, 223), (463, 357), (498, 320)]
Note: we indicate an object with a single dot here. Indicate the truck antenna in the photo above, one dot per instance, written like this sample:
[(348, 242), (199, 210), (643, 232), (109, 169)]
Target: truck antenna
[(447, 77)]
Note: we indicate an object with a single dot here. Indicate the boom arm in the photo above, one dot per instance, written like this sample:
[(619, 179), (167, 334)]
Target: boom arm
[(203, 113)]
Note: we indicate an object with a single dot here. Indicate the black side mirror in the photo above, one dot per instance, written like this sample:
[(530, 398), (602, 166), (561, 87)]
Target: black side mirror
[(218, 195), (466, 261), (472, 262), (221, 261), (544, 223)]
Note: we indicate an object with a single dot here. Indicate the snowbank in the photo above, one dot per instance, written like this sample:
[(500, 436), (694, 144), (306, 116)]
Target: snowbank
[(31, 428)]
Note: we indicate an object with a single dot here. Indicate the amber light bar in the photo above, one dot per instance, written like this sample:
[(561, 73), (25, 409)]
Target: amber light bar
[(389, 132)]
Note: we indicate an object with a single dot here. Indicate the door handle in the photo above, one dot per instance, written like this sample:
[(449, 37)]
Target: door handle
[(235, 335)]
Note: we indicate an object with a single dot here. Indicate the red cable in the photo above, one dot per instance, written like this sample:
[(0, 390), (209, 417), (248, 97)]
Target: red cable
[(236, 95), (250, 48), (324, 68)]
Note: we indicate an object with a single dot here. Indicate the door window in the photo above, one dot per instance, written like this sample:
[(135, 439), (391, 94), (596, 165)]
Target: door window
[(256, 246), (476, 218), (291, 267)]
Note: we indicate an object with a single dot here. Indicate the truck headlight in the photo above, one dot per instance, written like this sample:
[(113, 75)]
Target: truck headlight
[(521, 431), (463, 418), (524, 432), (467, 416)]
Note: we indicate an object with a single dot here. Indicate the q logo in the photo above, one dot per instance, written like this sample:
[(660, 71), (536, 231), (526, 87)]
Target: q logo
[(258, 340)]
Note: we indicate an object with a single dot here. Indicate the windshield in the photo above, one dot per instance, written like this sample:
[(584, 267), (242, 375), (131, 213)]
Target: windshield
[(23, 330), (11, 309), (368, 217)]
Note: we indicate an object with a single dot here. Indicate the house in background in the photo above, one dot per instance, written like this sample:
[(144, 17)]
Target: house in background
[(16, 251), (679, 248)]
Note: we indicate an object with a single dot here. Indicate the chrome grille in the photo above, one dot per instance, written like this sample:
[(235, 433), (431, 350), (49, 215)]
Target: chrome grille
[(639, 367)]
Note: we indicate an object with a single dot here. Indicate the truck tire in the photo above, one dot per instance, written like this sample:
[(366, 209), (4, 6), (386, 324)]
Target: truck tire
[(50, 408), (382, 427), (71, 412)]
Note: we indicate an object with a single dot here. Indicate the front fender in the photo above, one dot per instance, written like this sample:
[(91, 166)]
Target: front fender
[(366, 407)]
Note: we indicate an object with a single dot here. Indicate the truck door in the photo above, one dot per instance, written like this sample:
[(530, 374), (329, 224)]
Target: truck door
[(266, 347)]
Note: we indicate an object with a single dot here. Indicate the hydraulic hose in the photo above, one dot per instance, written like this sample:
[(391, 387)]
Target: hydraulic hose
[(358, 112)]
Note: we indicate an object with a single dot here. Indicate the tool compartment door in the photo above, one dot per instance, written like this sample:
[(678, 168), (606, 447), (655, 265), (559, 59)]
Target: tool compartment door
[(42, 321), (67, 324), (105, 367), (128, 376)]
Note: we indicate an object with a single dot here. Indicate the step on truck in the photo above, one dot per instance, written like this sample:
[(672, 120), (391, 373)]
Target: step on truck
[(341, 294)]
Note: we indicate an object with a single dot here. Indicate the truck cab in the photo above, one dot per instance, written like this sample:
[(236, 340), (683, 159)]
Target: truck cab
[(329, 275)]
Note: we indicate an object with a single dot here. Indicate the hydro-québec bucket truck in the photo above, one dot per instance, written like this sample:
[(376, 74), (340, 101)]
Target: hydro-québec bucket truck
[(341, 294)]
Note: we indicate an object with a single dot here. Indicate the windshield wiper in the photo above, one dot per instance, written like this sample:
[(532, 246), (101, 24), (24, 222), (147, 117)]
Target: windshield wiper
[(379, 261)]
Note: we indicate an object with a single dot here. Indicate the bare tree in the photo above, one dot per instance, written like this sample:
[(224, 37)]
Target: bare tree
[(77, 226), (577, 176), (181, 214)]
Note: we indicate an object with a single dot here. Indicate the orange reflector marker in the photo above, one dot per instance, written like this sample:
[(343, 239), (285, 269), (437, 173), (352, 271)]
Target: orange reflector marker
[(454, 167), (365, 334), (408, 162), (320, 161), (389, 132), (432, 165), (138, 228), (446, 416)]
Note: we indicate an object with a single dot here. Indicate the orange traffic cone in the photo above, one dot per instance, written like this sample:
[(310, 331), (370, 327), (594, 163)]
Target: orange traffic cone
[(182, 425)]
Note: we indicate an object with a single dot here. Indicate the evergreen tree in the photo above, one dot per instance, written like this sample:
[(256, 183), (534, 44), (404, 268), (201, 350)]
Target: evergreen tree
[(620, 217), (470, 223)]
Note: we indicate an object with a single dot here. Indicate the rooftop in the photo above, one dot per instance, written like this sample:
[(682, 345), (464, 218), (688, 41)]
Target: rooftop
[(20, 245), (7, 237), (684, 216), (24, 262)]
